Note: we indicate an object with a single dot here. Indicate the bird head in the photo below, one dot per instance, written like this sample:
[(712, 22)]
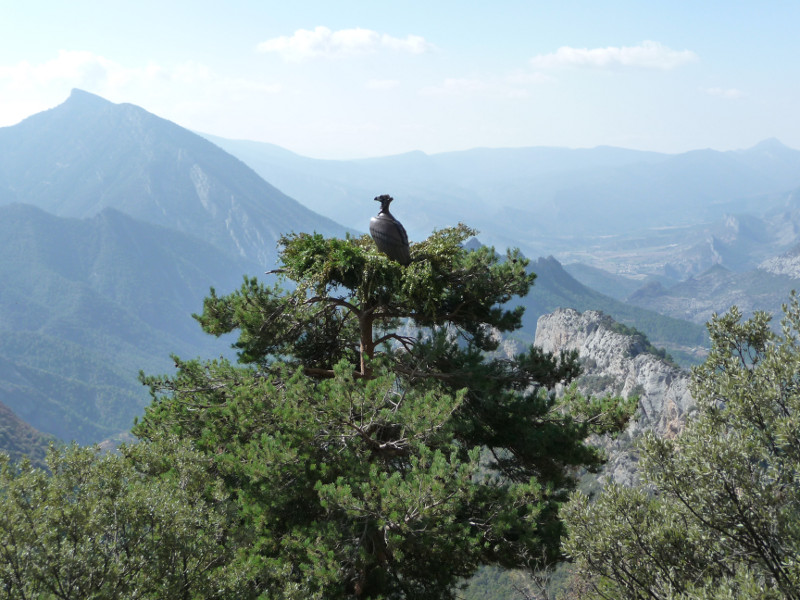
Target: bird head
[(385, 200)]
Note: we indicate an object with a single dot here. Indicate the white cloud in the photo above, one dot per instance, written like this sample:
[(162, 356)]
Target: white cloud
[(26, 88), (323, 42), (79, 68), (465, 86), (458, 86), (648, 55), (730, 94), (382, 84), (82, 69), (412, 43)]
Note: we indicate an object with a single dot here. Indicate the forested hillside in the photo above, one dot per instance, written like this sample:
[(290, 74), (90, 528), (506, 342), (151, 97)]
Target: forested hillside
[(87, 304), (17, 438)]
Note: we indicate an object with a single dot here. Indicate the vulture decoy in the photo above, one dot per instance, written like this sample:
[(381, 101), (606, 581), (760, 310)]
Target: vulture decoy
[(389, 234)]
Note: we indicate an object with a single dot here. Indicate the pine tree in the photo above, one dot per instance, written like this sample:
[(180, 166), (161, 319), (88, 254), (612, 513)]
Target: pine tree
[(376, 440)]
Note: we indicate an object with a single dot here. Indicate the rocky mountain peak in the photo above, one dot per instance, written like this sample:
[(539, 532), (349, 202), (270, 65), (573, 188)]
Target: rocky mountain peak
[(88, 154), (619, 363), (83, 97)]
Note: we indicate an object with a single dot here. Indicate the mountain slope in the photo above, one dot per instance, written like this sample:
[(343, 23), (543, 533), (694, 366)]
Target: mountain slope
[(610, 284), (554, 288), (19, 439), (715, 291), (88, 153), (787, 263), (85, 304)]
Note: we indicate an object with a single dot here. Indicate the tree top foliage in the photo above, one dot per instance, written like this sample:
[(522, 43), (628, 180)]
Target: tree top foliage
[(337, 284)]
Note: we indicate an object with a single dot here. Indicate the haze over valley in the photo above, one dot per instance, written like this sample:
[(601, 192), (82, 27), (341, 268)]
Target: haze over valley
[(633, 213)]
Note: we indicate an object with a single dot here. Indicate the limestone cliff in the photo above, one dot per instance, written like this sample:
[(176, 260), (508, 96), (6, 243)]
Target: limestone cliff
[(787, 264), (618, 363)]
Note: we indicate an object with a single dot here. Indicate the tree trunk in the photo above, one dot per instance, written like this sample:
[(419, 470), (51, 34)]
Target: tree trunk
[(365, 322)]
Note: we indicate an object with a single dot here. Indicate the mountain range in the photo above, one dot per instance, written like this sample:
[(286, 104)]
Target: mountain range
[(630, 212), (114, 224), (716, 290)]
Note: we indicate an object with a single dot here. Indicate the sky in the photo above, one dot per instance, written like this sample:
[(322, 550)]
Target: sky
[(356, 79)]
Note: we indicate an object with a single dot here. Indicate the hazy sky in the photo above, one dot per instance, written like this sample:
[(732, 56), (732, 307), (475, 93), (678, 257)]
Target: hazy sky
[(346, 79)]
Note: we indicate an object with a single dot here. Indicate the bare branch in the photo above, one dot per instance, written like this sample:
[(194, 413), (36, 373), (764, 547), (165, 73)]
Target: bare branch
[(336, 302), (406, 341)]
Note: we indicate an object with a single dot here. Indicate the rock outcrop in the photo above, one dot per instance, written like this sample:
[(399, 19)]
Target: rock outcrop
[(618, 363), (787, 264)]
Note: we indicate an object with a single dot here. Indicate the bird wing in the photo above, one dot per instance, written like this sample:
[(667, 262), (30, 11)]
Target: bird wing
[(391, 238), (388, 230)]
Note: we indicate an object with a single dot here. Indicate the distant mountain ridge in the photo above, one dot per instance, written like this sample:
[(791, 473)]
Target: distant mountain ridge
[(715, 291), (87, 154), (787, 263), (543, 200)]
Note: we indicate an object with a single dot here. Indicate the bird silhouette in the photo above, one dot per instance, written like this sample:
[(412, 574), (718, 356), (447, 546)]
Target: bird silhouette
[(389, 234)]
